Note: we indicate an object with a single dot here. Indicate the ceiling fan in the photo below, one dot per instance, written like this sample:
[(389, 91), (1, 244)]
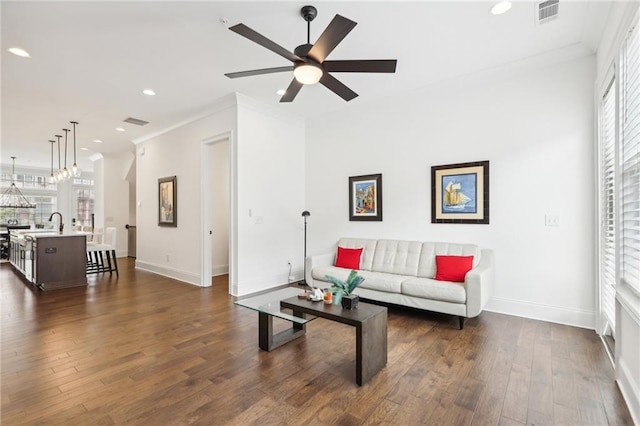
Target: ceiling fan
[(309, 64)]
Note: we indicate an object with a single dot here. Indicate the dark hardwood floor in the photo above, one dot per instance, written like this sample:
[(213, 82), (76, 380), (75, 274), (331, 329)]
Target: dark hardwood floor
[(147, 350)]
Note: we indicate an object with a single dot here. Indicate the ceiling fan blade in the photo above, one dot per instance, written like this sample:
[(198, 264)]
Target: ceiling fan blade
[(337, 30), (258, 72), (333, 84), (375, 65), (247, 32), (292, 91)]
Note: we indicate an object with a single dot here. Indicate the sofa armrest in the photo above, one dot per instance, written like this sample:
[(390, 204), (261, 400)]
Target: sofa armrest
[(479, 284), (326, 259)]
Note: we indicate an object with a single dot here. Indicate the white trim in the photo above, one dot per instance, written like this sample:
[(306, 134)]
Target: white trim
[(176, 274), (544, 312), (629, 300), (219, 270), (629, 391), (205, 209)]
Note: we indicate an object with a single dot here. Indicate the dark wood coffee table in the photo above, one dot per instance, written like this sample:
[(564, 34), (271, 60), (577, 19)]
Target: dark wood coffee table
[(370, 322)]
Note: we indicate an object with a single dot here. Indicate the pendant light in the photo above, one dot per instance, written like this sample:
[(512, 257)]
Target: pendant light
[(52, 178), (75, 170), (65, 172), (12, 197), (59, 171)]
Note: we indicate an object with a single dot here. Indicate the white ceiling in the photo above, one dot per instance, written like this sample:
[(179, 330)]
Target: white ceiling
[(90, 61)]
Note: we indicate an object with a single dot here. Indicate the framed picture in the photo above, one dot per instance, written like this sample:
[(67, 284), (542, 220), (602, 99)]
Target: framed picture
[(365, 198), (460, 193), (167, 201)]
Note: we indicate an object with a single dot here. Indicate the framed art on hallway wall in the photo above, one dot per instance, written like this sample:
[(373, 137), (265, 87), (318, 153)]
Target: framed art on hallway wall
[(460, 193), (167, 201), (365, 198)]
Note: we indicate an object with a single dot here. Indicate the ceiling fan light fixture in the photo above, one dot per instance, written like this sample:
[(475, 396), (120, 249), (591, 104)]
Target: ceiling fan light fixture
[(307, 72)]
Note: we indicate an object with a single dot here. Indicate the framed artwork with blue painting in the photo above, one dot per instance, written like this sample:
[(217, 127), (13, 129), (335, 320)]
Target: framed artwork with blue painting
[(365, 198), (460, 193)]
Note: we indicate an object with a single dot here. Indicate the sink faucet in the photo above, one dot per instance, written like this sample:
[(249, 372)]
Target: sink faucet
[(61, 223)]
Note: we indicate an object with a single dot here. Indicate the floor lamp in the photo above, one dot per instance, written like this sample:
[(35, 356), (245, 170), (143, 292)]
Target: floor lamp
[(305, 214)]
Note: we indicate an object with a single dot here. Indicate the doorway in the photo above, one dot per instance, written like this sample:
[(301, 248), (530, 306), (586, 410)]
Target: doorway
[(217, 219)]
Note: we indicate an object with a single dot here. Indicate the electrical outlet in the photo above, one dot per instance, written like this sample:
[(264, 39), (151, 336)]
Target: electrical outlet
[(552, 220), (168, 259)]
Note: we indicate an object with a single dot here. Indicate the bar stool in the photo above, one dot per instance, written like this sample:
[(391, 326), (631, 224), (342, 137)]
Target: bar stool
[(97, 251)]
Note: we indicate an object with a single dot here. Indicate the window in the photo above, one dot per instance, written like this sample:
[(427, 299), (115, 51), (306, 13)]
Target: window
[(84, 206), (629, 190), (607, 237)]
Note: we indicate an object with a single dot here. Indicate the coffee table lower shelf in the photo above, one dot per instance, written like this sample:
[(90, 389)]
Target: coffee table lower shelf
[(267, 341)]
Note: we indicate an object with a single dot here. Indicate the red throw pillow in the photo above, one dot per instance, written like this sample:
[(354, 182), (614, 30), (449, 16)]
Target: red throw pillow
[(348, 258), (453, 268)]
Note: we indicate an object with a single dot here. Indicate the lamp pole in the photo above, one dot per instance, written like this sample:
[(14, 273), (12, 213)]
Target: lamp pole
[(305, 214)]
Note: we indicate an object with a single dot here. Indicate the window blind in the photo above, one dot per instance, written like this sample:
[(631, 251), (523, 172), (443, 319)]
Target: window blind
[(630, 160), (607, 139)]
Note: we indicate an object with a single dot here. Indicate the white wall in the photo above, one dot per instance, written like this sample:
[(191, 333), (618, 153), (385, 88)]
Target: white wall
[(112, 195), (175, 252), (268, 149), (535, 128), (220, 157), (271, 196)]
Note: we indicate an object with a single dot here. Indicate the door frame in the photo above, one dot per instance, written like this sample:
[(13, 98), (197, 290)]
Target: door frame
[(206, 204)]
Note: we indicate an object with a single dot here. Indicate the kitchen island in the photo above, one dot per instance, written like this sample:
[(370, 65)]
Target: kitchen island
[(49, 260)]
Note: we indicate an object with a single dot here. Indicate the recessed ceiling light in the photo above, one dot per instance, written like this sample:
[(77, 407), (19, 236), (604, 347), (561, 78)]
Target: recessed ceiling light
[(19, 52), (97, 141), (119, 129), (84, 149), (149, 92), (501, 7), (281, 92)]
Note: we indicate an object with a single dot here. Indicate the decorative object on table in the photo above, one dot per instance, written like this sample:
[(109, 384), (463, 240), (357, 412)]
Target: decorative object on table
[(12, 197), (343, 290), (460, 193), (305, 215), (328, 297), (316, 295), (365, 198), (167, 201)]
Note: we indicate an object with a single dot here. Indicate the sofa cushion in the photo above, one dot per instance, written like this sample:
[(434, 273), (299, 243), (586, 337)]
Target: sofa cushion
[(381, 281), (427, 264), (348, 258), (453, 268), (437, 290), (320, 272), (397, 257), (368, 245)]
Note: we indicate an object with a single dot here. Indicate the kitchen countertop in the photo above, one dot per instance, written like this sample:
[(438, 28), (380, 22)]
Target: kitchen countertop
[(48, 233)]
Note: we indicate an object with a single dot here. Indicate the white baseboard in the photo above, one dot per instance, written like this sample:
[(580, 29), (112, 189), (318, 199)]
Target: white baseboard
[(629, 390), (176, 274), (220, 270), (550, 313), (122, 253)]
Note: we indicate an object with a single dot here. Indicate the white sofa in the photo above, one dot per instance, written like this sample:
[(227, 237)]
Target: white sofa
[(402, 272)]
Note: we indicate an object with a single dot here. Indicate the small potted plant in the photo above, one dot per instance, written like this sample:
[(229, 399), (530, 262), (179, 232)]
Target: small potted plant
[(343, 290)]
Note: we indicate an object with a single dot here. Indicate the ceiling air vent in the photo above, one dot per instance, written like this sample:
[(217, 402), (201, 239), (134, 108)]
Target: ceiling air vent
[(547, 11), (136, 121)]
